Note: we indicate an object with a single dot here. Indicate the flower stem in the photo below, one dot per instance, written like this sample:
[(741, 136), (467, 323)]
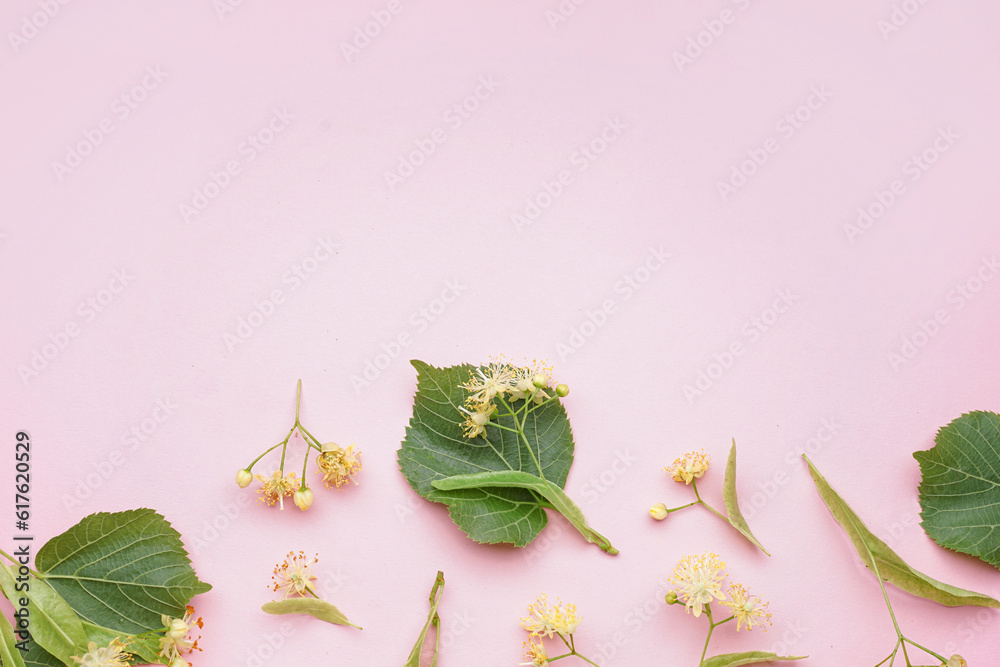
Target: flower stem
[(694, 485), (711, 629), (271, 449)]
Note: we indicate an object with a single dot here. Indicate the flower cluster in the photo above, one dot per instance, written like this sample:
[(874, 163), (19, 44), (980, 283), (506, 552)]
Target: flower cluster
[(689, 467), (548, 621), (506, 382), (175, 639), (112, 655), (294, 575), (337, 464), (699, 583)]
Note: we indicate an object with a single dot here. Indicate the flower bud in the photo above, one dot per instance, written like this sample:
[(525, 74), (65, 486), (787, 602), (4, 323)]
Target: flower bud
[(331, 447), (957, 661), (540, 380), (659, 511), (180, 662), (303, 498), (671, 597), (243, 478), (562, 390), (178, 629)]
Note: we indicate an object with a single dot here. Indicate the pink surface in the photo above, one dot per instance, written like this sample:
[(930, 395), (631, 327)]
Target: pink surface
[(230, 145)]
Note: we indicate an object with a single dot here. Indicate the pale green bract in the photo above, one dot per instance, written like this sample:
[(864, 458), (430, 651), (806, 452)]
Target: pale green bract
[(491, 484), (960, 486)]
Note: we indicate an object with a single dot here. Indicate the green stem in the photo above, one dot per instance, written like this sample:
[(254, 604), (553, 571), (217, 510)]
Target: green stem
[(682, 507), (520, 432), (925, 649), (298, 399), (304, 432), (711, 629), (16, 562), (694, 485), (250, 467)]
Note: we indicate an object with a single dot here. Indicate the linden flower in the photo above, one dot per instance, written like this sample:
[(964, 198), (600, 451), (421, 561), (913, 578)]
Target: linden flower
[(486, 382), (536, 654), (296, 576), (699, 581), (112, 655), (545, 620), (175, 637), (957, 661), (747, 608), (276, 487), (339, 465), (476, 420), (530, 382), (692, 465)]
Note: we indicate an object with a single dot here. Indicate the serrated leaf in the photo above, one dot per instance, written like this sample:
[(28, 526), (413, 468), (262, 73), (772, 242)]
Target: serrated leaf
[(54, 625), (746, 658), (432, 620), (495, 510), (875, 553), (960, 486), (10, 655), (732, 503), (121, 570), (314, 607)]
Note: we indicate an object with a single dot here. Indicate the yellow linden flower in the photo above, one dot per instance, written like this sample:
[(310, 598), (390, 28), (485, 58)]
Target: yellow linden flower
[(699, 581), (957, 661), (175, 636), (487, 382), (339, 465), (112, 655), (275, 488), (295, 577), (476, 420), (531, 381), (690, 466), (536, 654), (545, 620), (747, 608)]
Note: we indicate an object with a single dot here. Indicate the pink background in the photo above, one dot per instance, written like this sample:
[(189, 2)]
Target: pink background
[(556, 288)]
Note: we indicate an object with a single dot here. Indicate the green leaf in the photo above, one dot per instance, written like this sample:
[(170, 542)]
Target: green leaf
[(432, 619), (54, 625), (121, 571), (10, 655), (746, 658), (960, 486), (314, 607), (147, 647), (732, 504), (877, 556), (36, 656), (498, 506)]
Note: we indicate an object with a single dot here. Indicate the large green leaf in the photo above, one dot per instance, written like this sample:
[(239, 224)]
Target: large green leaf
[(36, 656), (54, 625), (746, 658), (314, 607), (733, 513), (432, 620), (491, 508), (121, 571), (960, 486), (878, 557)]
